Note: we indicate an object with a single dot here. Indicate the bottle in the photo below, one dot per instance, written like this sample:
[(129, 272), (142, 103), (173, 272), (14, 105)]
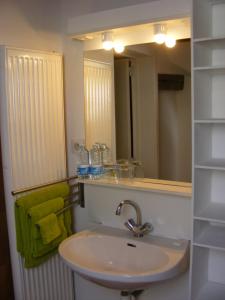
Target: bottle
[(83, 163), (96, 168), (106, 155)]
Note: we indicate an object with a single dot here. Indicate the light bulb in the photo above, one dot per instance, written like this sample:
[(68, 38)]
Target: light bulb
[(170, 41), (119, 47), (160, 33), (159, 38), (107, 40), (107, 45)]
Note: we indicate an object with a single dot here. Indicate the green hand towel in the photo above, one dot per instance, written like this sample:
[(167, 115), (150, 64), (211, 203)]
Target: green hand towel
[(42, 210), (49, 228), (39, 249), (25, 243)]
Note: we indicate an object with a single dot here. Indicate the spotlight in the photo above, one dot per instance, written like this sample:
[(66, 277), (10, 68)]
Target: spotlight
[(170, 41), (118, 47), (159, 33), (107, 40)]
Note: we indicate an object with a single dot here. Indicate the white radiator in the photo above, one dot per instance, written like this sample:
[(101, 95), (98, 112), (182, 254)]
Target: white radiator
[(51, 281), (99, 103), (33, 148)]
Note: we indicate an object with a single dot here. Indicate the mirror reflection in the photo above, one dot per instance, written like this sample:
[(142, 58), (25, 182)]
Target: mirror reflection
[(139, 104)]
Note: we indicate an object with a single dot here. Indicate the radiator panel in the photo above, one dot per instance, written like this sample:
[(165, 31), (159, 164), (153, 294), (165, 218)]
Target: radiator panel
[(99, 110), (36, 117)]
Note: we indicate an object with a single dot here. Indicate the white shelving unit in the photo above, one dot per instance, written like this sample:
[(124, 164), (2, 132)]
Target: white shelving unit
[(209, 234), (208, 246), (208, 274)]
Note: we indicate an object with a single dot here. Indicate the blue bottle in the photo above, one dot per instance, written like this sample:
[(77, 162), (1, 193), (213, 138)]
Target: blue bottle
[(83, 163)]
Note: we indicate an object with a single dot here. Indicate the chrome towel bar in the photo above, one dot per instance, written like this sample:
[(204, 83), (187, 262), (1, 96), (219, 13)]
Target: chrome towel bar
[(79, 193), (68, 206), (24, 190)]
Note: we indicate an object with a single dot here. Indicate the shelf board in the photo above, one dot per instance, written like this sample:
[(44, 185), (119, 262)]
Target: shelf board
[(209, 247), (210, 291), (209, 39), (209, 219), (213, 164), (208, 167), (210, 68), (211, 236), (210, 121), (213, 212)]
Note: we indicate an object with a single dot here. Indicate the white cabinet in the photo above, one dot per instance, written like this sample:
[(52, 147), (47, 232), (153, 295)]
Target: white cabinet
[(208, 19), (208, 274), (209, 234), (208, 246), (209, 195), (209, 90), (210, 145), (209, 53)]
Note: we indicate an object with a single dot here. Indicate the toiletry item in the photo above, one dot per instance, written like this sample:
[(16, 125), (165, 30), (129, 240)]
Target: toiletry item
[(106, 154), (82, 171), (83, 163), (125, 168), (96, 171), (96, 167)]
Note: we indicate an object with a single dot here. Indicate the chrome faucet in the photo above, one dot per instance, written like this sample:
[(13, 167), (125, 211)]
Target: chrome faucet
[(136, 227)]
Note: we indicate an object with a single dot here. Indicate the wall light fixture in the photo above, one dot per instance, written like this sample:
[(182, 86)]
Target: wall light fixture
[(161, 36), (170, 41), (109, 44), (107, 40), (118, 47), (160, 33)]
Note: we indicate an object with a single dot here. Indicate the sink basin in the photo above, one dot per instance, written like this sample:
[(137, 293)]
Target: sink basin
[(112, 258)]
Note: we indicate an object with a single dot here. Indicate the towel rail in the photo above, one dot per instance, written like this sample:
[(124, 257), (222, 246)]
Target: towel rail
[(68, 206), (70, 202), (24, 190), (68, 198)]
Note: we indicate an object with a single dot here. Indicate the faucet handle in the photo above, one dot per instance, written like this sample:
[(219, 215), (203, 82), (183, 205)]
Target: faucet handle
[(147, 227), (130, 224)]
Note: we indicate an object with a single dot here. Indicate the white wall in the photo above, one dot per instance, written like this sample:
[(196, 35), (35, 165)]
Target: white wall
[(77, 8), (30, 24)]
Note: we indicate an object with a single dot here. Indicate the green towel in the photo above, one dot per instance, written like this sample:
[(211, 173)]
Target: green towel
[(68, 221), (31, 247), (36, 213), (42, 210), (49, 228), (40, 250), (24, 203)]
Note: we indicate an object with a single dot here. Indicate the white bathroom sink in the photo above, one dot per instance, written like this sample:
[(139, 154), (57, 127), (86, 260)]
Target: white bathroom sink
[(112, 258)]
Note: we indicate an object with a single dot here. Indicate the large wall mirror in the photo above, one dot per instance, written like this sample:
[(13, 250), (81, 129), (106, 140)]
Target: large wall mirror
[(139, 104)]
